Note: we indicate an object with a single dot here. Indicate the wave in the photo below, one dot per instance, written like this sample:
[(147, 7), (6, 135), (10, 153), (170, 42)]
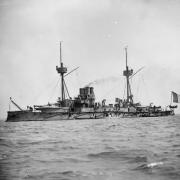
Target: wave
[(131, 156), (149, 165)]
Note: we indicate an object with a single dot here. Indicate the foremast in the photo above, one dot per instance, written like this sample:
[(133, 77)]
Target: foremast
[(128, 73), (62, 70)]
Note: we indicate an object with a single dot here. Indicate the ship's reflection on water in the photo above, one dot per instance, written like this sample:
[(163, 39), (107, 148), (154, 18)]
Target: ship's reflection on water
[(113, 149)]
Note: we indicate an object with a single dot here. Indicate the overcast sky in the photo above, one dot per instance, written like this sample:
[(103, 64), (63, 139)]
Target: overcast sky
[(94, 34)]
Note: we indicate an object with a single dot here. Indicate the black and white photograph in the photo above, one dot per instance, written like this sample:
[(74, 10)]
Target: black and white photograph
[(90, 89)]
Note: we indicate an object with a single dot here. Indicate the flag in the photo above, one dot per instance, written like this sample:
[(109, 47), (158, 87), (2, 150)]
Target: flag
[(176, 97)]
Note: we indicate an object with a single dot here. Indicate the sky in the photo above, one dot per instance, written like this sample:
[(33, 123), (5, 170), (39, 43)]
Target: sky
[(94, 34)]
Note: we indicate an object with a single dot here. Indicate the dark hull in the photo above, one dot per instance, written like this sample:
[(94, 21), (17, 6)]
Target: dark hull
[(147, 114), (15, 116)]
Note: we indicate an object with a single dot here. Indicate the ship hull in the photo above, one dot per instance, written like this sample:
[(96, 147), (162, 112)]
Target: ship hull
[(15, 116)]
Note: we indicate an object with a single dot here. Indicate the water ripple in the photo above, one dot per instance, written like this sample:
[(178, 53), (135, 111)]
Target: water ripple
[(113, 149)]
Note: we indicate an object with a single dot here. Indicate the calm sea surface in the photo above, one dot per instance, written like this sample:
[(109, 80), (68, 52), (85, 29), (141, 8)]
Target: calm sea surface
[(105, 149)]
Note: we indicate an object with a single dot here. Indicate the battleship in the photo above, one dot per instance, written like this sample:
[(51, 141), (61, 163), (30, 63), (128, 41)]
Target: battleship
[(84, 105)]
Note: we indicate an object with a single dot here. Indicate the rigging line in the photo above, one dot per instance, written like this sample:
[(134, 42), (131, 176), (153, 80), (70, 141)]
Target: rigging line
[(44, 90), (54, 89), (124, 89), (66, 89), (78, 83), (137, 89), (146, 87), (130, 89), (71, 72), (137, 72)]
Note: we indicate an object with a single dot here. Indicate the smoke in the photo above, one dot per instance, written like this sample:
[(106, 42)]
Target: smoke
[(103, 81)]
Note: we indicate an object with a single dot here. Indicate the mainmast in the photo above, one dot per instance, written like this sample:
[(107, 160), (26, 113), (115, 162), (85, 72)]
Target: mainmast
[(61, 70), (127, 73)]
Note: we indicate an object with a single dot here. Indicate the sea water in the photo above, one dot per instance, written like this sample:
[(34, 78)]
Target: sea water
[(103, 149)]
